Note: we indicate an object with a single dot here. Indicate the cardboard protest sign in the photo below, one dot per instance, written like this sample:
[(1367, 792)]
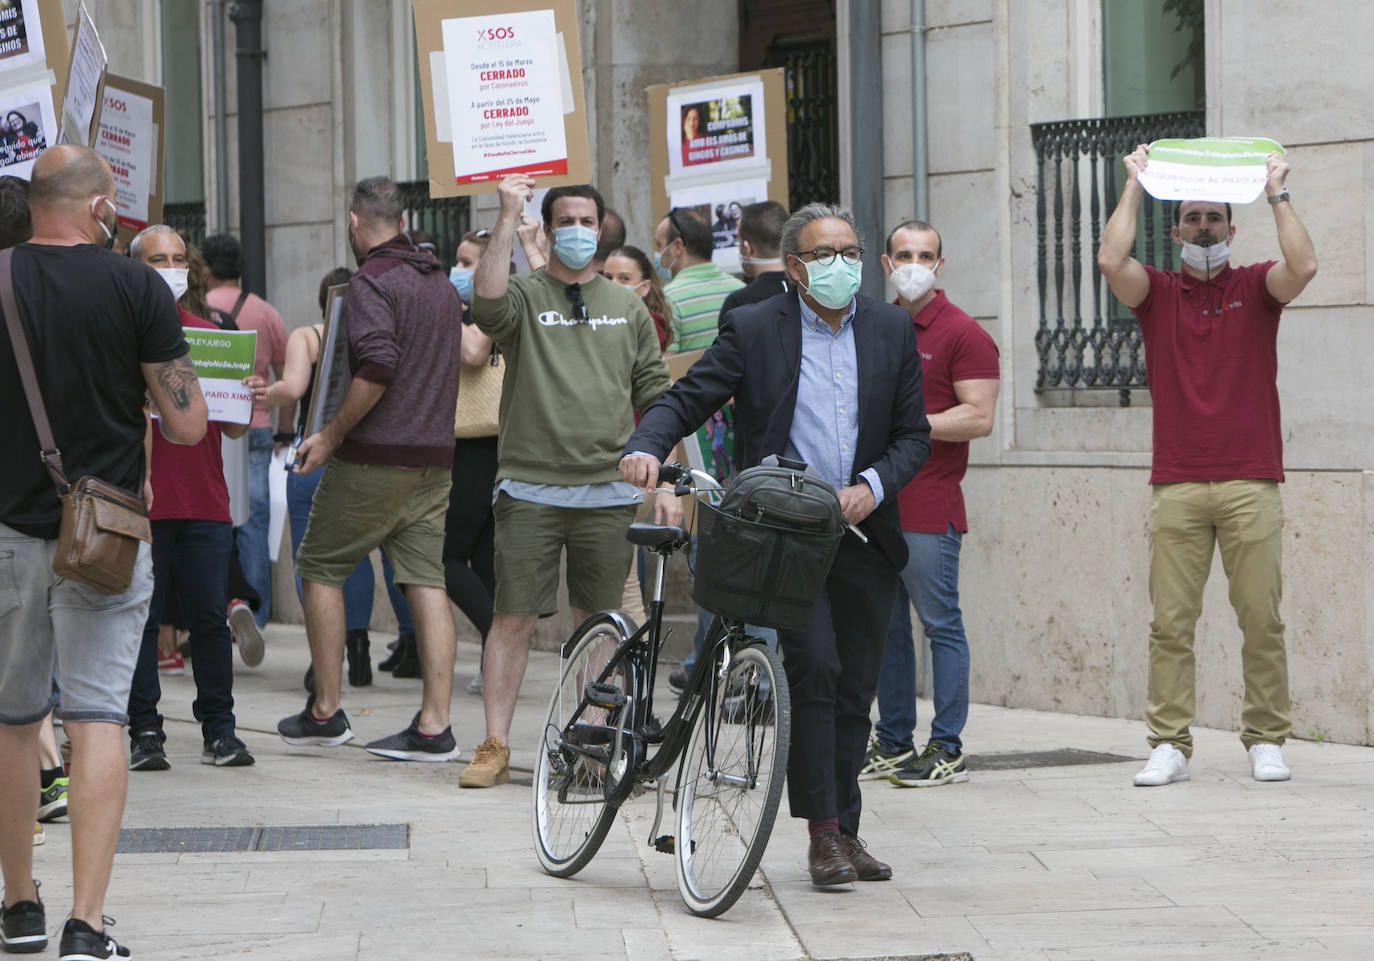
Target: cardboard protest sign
[(332, 374), (32, 35), (131, 141), (501, 90), (1217, 169), (222, 358), (716, 146), (85, 84)]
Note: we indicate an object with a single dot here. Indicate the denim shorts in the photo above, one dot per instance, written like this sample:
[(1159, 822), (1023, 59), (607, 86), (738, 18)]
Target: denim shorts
[(91, 639)]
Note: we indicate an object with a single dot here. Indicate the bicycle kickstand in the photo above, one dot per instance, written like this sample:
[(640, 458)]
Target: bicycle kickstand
[(661, 843)]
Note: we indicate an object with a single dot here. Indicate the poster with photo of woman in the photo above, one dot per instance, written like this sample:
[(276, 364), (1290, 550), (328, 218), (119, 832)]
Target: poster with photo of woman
[(26, 125)]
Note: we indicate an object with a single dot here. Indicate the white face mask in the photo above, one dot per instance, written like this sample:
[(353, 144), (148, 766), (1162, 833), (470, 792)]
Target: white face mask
[(913, 281), (1209, 259), (175, 278)]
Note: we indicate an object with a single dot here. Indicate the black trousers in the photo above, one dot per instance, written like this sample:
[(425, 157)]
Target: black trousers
[(470, 531), (832, 670), (198, 553)]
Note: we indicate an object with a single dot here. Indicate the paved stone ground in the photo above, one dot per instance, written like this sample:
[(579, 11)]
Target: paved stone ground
[(1039, 864)]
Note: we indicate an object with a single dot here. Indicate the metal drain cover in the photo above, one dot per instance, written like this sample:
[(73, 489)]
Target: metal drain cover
[(326, 837), (1063, 757)]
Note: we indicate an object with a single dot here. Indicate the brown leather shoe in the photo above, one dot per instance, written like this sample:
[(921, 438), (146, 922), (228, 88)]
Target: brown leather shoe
[(827, 862), (866, 866)]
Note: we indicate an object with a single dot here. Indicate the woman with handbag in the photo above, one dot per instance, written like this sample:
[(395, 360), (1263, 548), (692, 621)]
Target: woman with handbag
[(469, 527)]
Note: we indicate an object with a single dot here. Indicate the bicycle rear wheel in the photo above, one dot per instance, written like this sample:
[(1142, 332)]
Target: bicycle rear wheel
[(727, 803), (582, 757)]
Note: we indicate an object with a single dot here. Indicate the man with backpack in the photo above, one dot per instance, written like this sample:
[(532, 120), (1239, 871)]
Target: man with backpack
[(232, 305), (829, 377)]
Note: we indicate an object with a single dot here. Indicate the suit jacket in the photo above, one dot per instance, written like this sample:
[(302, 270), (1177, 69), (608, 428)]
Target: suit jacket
[(756, 359)]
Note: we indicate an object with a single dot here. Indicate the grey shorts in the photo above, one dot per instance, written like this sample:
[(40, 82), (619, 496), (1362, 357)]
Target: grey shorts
[(49, 624)]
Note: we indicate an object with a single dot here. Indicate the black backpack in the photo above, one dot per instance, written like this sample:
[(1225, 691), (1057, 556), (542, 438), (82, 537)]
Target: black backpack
[(764, 552)]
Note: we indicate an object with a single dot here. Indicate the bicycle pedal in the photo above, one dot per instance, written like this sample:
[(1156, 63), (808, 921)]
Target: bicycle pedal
[(664, 844), (606, 696)]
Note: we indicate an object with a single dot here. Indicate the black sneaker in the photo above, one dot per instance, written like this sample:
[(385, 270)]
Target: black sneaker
[(937, 765), (411, 745), (23, 928), (81, 942), (146, 753), (880, 763), (677, 681), (226, 751), (303, 730), (408, 662)]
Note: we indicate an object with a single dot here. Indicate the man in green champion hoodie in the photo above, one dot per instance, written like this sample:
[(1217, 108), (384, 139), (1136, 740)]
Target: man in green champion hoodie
[(582, 356)]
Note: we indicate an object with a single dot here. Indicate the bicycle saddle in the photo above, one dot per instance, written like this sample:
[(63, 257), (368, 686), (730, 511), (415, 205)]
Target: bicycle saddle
[(655, 536)]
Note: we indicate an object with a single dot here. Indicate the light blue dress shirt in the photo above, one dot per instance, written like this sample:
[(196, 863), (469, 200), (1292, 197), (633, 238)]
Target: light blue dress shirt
[(825, 425)]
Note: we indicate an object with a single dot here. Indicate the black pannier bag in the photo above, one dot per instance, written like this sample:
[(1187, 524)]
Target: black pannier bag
[(764, 553)]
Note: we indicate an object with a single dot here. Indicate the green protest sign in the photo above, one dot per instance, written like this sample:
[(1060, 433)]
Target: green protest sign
[(1218, 169), (222, 359)]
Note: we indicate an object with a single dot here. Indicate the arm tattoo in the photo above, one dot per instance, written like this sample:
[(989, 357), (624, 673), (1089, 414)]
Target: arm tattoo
[(177, 377)]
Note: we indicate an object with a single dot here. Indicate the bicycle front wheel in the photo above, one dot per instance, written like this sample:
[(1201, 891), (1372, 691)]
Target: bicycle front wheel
[(581, 756), (731, 782)]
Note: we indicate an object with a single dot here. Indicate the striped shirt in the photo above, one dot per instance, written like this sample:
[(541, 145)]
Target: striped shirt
[(695, 297)]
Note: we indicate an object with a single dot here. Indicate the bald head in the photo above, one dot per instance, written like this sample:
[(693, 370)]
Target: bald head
[(68, 176)]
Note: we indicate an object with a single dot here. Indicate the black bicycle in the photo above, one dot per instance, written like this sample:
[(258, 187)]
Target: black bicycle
[(602, 742)]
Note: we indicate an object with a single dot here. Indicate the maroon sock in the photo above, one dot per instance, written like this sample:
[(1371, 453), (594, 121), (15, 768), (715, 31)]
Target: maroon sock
[(822, 825), (316, 718)]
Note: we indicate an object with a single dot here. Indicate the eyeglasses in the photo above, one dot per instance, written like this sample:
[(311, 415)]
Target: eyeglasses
[(672, 220), (825, 256), (579, 306), (482, 234)]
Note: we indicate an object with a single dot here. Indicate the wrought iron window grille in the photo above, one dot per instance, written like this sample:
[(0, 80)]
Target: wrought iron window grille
[(1086, 340)]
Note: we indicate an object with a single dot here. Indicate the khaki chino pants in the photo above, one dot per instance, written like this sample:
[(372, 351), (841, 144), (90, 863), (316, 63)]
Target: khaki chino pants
[(1245, 518)]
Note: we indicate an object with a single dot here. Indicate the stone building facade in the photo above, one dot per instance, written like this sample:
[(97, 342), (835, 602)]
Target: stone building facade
[(1054, 568)]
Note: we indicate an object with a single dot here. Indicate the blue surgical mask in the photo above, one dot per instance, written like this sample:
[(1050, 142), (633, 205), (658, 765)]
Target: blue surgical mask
[(833, 286), (461, 279), (665, 272), (575, 246)]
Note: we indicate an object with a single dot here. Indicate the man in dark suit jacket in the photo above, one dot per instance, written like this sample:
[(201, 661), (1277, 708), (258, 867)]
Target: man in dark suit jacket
[(824, 376)]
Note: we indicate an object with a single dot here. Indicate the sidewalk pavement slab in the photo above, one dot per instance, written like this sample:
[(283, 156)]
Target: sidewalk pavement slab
[(1068, 863)]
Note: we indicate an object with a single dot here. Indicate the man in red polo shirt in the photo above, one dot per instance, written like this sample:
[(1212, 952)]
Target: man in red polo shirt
[(192, 537), (959, 380), (1211, 335)]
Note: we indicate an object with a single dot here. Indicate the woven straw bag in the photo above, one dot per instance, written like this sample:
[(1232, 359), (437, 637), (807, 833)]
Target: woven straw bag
[(479, 398)]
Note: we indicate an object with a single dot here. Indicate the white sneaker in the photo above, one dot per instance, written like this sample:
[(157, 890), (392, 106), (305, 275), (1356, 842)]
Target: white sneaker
[(1166, 765), (1266, 763)]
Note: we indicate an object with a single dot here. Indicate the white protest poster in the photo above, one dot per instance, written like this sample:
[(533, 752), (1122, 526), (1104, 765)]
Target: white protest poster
[(1217, 169), (721, 205), (505, 96), (21, 34), (28, 126), (128, 140), (332, 374), (85, 76)]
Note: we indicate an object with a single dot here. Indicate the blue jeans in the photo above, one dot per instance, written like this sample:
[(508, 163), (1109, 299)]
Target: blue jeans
[(193, 556), (357, 590), (931, 580), (252, 535)]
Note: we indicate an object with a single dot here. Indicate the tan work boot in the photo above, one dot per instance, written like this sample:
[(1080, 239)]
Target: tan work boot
[(490, 765)]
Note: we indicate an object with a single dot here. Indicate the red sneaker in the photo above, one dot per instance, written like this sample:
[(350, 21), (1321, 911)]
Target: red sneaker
[(171, 664)]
